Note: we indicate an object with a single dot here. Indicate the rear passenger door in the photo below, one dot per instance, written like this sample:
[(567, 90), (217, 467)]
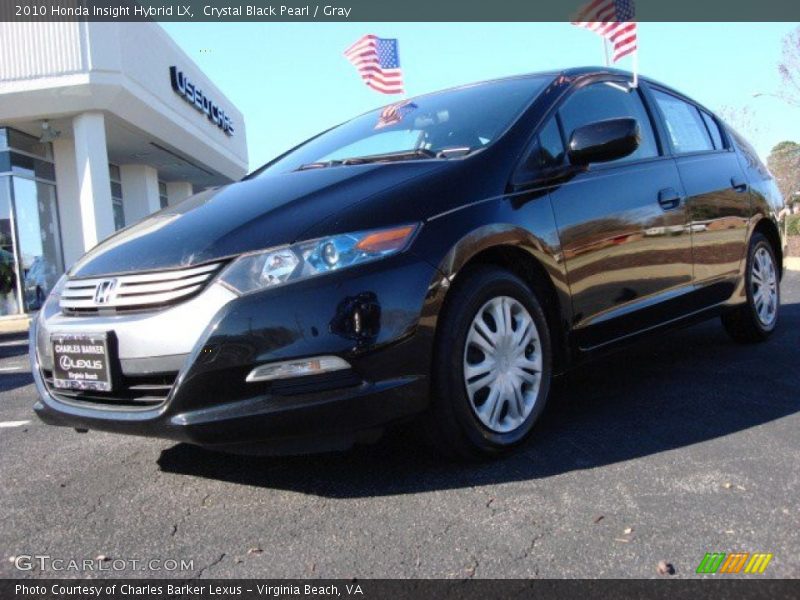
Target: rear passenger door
[(718, 198)]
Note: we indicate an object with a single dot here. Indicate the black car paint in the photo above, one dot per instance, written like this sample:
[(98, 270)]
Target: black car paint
[(483, 207), (237, 218)]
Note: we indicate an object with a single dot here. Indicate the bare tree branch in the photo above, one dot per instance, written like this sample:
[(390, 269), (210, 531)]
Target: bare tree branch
[(789, 68), (742, 119)]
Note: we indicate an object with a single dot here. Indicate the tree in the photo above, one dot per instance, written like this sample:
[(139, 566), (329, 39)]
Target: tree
[(784, 163), (742, 119), (789, 68)]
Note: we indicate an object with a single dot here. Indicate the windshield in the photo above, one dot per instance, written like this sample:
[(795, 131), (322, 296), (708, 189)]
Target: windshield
[(444, 124)]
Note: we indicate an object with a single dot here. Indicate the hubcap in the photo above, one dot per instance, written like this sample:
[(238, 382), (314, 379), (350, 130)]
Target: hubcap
[(502, 364), (764, 284)]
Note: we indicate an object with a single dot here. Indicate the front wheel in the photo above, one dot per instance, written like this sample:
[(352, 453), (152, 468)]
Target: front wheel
[(492, 365), (756, 319)]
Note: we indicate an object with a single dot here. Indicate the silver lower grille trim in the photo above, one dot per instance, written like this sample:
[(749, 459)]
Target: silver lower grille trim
[(135, 291)]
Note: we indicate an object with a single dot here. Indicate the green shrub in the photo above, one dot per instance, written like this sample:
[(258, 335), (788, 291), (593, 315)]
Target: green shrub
[(793, 225)]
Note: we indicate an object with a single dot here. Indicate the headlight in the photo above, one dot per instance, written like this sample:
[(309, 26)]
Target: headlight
[(286, 264)]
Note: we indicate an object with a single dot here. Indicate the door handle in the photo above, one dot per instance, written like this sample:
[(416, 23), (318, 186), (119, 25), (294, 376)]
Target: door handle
[(738, 184), (669, 198)]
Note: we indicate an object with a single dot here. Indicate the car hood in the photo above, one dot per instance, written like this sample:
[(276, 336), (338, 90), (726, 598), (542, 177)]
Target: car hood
[(249, 215)]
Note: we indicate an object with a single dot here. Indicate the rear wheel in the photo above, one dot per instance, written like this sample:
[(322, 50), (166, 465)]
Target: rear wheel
[(755, 320), (492, 365)]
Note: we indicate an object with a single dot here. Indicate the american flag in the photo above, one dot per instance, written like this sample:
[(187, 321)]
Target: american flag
[(378, 63), (612, 19), (394, 113)]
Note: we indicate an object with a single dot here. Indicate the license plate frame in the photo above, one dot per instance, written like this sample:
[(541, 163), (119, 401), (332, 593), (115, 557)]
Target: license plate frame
[(82, 362)]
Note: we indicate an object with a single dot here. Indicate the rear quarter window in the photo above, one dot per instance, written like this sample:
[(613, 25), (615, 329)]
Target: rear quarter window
[(713, 129)]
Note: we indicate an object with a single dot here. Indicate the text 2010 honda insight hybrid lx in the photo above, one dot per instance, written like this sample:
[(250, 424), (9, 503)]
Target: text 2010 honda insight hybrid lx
[(442, 258)]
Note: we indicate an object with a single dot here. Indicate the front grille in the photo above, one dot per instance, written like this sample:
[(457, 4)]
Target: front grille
[(136, 291), (131, 391)]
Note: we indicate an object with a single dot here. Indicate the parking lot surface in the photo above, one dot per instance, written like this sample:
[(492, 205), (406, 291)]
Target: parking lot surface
[(685, 444)]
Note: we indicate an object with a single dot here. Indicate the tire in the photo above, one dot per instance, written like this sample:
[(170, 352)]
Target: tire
[(461, 422), (755, 320)]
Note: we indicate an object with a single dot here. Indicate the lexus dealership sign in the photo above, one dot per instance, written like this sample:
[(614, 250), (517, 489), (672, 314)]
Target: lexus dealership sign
[(184, 87)]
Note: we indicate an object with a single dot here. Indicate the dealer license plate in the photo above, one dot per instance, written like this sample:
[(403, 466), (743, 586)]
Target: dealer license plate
[(81, 361)]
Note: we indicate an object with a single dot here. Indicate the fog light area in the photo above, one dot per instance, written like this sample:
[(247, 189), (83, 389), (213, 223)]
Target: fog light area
[(298, 368)]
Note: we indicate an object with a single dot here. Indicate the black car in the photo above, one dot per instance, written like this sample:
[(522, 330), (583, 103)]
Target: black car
[(442, 258)]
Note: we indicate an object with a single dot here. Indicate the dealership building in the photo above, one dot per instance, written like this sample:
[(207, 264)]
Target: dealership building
[(101, 124)]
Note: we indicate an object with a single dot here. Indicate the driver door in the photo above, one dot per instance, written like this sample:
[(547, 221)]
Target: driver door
[(622, 224)]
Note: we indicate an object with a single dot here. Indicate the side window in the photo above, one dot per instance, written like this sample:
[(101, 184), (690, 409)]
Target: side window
[(685, 125), (549, 151), (713, 129), (608, 100)]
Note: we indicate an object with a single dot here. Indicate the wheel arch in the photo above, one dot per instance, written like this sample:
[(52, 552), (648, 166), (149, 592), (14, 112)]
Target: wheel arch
[(769, 230), (519, 251)]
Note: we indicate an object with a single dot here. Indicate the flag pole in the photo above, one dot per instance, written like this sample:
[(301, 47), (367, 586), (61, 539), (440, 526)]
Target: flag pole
[(635, 69), (605, 49)]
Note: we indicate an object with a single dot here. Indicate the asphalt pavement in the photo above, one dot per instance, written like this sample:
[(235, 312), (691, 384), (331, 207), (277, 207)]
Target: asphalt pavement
[(685, 444)]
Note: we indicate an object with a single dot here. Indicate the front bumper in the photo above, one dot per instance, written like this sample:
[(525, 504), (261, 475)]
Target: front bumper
[(210, 403)]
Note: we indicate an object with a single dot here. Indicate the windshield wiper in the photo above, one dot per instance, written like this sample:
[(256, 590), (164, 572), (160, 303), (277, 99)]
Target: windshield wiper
[(319, 165), (418, 153), (389, 157)]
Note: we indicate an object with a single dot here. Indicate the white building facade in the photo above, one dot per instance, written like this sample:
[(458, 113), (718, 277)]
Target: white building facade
[(101, 124)]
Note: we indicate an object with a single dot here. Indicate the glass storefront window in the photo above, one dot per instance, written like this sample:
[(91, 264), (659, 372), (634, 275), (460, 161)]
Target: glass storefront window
[(119, 214), (116, 197), (29, 144), (31, 259), (9, 299), (38, 239), (162, 194), (32, 167)]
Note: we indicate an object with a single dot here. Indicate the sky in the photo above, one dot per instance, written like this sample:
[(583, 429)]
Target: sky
[(291, 81)]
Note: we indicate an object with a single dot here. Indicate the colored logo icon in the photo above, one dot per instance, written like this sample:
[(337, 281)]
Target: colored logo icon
[(734, 562)]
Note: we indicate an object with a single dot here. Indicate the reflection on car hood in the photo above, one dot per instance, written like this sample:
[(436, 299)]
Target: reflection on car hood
[(250, 215)]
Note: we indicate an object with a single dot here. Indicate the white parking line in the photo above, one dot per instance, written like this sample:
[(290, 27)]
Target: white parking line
[(14, 343), (13, 423)]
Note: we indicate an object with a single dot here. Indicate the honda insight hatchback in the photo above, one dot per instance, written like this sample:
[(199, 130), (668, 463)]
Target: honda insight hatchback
[(441, 258)]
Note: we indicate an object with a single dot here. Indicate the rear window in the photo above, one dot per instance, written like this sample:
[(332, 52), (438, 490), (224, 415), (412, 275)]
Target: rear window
[(750, 155)]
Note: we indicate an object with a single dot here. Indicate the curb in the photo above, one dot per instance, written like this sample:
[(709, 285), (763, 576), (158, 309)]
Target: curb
[(14, 327), (792, 263)]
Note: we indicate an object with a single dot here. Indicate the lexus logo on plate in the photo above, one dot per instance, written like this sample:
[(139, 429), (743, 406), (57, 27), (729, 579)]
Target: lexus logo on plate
[(105, 291)]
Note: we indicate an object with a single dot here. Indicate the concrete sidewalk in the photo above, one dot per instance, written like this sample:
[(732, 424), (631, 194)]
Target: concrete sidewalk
[(792, 263)]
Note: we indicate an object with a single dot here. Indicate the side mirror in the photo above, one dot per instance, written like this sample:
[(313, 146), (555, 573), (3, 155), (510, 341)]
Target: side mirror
[(603, 141)]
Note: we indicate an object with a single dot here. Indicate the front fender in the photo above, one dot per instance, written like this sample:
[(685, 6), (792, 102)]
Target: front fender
[(454, 239)]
